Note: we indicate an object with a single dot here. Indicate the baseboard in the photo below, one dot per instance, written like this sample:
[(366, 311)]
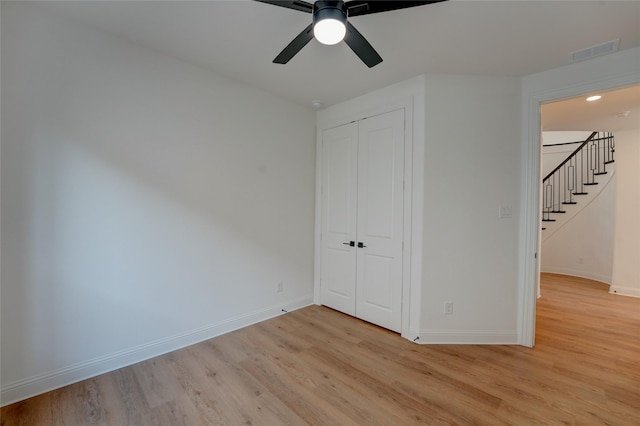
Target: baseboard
[(576, 273), (624, 291), (46, 382), (469, 337)]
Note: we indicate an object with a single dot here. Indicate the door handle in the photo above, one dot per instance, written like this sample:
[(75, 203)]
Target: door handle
[(350, 244), (360, 245)]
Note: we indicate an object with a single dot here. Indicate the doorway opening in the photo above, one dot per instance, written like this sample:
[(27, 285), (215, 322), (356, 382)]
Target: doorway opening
[(588, 245)]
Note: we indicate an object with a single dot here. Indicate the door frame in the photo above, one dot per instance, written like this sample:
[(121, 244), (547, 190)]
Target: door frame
[(405, 96), (600, 74)]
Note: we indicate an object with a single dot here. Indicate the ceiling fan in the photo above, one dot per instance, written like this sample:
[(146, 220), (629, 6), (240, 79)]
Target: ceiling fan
[(330, 25)]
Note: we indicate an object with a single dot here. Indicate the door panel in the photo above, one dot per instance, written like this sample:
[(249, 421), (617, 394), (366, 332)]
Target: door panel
[(378, 173), (377, 273), (339, 215), (380, 220)]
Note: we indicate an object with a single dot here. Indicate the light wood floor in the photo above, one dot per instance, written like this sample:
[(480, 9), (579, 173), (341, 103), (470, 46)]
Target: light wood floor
[(317, 366)]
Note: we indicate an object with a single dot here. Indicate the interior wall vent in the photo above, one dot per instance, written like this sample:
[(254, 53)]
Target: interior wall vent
[(593, 51)]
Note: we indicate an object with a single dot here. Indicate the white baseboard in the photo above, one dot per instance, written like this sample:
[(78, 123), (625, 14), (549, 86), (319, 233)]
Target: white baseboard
[(624, 291), (469, 337), (576, 273), (46, 382)]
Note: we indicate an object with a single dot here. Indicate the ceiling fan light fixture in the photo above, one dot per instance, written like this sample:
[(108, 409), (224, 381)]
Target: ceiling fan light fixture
[(329, 31), (329, 22)]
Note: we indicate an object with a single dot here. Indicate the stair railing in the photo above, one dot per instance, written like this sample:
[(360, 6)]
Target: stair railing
[(577, 171)]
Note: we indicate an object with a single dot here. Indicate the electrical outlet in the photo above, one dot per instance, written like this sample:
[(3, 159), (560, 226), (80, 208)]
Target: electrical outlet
[(280, 287), (448, 308)]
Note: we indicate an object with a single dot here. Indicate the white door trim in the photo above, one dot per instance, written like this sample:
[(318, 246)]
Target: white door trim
[(412, 101)]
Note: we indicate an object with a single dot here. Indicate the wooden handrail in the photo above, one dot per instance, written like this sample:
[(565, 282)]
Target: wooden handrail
[(573, 154)]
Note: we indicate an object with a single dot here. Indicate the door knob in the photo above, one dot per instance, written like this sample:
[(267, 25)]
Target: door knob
[(360, 245), (350, 243)]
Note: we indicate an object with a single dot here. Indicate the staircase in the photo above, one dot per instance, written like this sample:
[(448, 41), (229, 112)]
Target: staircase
[(572, 178)]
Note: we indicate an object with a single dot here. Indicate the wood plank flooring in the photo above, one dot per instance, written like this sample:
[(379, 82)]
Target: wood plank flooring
[(319, 367)]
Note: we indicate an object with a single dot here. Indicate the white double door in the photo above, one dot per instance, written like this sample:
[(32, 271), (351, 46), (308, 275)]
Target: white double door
[(362, 219)]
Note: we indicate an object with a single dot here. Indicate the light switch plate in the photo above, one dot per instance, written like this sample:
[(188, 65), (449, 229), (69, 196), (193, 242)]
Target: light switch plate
[(504, 212)]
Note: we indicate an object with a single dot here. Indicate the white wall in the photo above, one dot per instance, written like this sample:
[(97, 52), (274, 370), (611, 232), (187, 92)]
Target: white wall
[(626, 272), (472, 168), (146, 203)]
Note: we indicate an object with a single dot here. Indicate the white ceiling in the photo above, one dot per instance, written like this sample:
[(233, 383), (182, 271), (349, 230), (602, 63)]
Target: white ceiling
[(617, 110), (240, 38)]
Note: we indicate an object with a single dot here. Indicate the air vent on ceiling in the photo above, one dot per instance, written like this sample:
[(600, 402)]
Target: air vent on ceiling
[(593, 51)]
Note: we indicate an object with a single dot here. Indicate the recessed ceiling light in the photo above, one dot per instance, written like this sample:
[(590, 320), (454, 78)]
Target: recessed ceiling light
[(593, 98)]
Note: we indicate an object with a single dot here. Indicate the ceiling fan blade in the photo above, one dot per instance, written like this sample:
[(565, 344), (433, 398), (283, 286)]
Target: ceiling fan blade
[(367, 7), (302, 6), (361, 46), (294, 47)]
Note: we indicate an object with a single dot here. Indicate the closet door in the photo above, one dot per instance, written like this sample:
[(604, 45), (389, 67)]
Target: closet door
[(380, 220), (339, 215)]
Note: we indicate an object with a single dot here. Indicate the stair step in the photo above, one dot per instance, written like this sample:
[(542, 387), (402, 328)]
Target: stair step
[(569, 202), (601, 173), (580, 193), (590, 183), (557, 211), (548, 220)]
